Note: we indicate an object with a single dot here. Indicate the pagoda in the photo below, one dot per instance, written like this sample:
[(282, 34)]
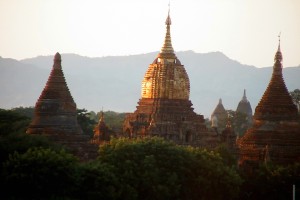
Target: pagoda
[(102, 132), (164, 109), (244, 107), (275, 133), (55, 114), (219, 117)]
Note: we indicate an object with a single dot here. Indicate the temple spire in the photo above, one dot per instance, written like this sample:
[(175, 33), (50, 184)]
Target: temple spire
[(244, 96), (101, 120), (167, 47), (278, 55), (57, 61), (279, 41)]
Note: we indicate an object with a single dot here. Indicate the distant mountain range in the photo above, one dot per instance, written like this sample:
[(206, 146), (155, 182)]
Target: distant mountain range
[(114, 82)]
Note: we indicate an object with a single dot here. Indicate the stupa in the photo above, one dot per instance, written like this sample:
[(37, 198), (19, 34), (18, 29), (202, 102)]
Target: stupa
[(164, 108), (244, 107), (219, 117), (275, 133), (55, 114), (102, 132)]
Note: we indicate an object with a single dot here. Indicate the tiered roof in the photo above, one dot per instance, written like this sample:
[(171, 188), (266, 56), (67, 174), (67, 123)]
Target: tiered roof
[(276, 128)]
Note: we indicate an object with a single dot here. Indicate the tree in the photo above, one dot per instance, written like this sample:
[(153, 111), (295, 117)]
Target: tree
[(39, 174), (271, 182), (97, 181), (87, 124), (25, 111), (113, 120), (153, 168), (239, 122), (296, 98), (228, 157), (12, 122)]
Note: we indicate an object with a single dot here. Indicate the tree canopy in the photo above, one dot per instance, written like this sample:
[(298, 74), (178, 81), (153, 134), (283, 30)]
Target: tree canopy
[(153, 168)]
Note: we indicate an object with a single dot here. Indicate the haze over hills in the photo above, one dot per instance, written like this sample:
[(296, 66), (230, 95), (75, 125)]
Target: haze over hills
[(114, 83)]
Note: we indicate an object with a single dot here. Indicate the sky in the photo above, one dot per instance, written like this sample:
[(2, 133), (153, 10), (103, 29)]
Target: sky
[(244, 30)]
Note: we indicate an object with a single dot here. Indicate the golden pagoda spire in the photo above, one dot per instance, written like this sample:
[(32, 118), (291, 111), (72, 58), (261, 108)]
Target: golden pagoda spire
[(167, 46)]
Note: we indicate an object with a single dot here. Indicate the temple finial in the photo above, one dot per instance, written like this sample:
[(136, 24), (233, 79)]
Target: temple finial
[(279, 41), (244, 96), (278, 55), (167, 47), (101, 116), (168, 20), (57, 61), (57, 57)]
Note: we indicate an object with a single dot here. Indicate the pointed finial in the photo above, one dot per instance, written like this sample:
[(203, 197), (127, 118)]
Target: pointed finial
[(278, 55), (279, 41), (101, 116), (220, 101), (168, 20), (57, 57), (167, 46), (244, 96), (57, 61)]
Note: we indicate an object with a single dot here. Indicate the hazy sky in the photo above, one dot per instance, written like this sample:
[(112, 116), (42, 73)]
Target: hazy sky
[(244, 30)]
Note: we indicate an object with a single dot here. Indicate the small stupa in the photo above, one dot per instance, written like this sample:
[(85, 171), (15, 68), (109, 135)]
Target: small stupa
[(244, 107), (102, 132)]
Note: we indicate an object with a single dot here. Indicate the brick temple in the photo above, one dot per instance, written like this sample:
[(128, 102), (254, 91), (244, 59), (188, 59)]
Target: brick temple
[(275, 134), (55, 114), (164, 109), (102, 133)]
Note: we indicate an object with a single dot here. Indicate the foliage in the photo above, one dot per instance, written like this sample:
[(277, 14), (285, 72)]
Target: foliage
[(97, 181), (271, 182), (21, 142), (39, 174), (13, 138), (12, 122), (227, 156), (87, 124), (239, 122), (152, 168), (296, 97), (25, 111), (113, 120)]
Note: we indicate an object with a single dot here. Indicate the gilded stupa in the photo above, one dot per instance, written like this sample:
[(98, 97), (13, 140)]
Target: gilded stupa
[(164, 108), (275, 134)]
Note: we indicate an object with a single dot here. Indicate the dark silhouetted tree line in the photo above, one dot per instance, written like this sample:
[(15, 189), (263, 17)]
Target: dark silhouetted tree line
[(34, 168)]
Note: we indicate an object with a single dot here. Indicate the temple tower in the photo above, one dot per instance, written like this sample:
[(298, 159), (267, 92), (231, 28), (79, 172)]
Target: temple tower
[(55, 114), (164, 108), (102, 132), (244, 107), (219, 117), (243, 116), (276, 129)]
